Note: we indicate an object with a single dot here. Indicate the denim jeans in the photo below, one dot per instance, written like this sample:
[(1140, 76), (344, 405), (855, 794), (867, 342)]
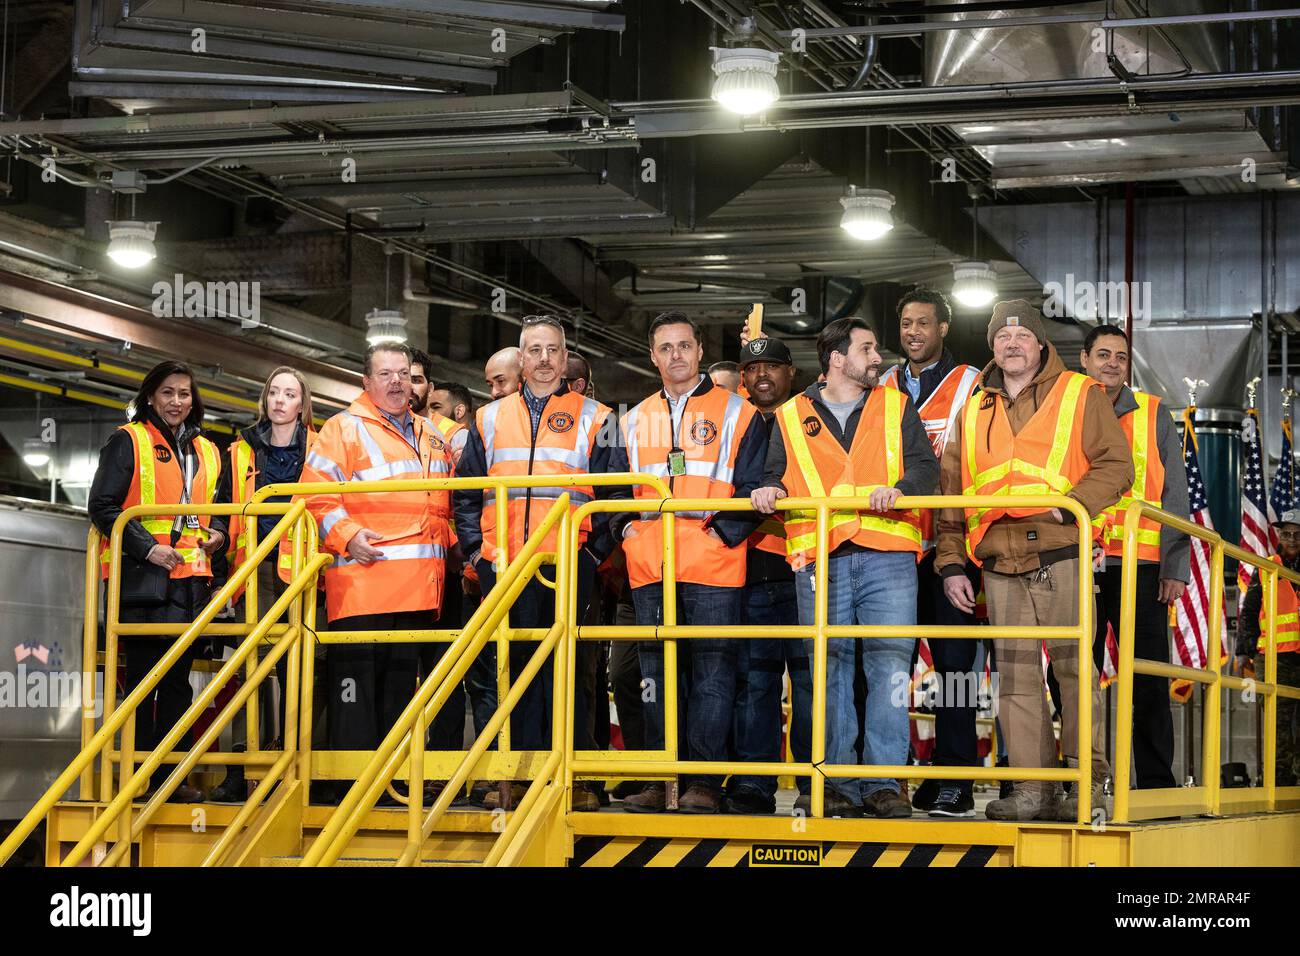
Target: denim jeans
[(706, 672), (761, 664), (866, 587)]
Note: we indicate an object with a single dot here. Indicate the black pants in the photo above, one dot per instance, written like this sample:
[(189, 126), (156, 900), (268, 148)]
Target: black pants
[(172, 696), (530, 722), (625, 678), (371, 684), (1153, 727), (447, 732), (956, 743)]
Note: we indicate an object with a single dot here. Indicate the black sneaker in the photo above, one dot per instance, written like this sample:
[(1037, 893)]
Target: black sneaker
[(953, 802), (234, 789), (749, 802), (926, 794)]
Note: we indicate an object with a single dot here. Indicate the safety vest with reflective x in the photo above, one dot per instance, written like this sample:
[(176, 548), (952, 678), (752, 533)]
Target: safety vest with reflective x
[(158, 479), (1148, 481), (874, 460), (1288, 617), (1045, 457)]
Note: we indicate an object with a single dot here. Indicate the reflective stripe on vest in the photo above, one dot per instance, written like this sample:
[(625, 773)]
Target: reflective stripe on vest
[(1014, 475), (883, 411), (1288, 617), (941, 407), (1140, 428)]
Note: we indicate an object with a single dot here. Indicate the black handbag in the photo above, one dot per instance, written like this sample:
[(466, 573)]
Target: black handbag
[(144, 584)]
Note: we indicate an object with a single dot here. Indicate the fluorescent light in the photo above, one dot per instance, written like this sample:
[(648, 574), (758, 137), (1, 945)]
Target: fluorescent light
[(745, 78), (867, 213), (130, 243), (974, 284), (385, 325)]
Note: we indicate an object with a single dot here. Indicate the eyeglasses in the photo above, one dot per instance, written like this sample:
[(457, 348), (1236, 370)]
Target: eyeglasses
[(385, 375), (1289, 535)]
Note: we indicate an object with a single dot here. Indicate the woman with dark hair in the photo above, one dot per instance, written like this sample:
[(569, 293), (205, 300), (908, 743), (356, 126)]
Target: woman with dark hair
[(269, 452), (160, 457)]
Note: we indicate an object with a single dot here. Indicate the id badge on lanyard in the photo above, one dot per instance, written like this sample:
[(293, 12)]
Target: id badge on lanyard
[(676, 463)]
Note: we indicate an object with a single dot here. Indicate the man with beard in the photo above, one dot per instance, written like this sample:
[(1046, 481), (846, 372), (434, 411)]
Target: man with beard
[(769, 598), (850, 438), (503, 373)]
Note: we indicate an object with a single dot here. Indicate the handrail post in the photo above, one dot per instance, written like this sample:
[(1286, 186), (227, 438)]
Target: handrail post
[(1087, 675), (1212, 719), (1124, 702), (415, 786), (569, 537), (307, 679), (501, 503), (89, 658), (821, 604), (127, 770), (1270, 700), (563, 673), (113, 607), (669, 591)]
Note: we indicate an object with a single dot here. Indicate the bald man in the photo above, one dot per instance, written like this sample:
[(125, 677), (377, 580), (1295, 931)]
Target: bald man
[(504, 373)]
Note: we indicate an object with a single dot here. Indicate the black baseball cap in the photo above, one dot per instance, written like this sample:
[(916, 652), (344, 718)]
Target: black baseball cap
[(765, 350)]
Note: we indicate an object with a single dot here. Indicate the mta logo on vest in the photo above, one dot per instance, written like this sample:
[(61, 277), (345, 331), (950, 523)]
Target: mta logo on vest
[(812, 426), (560, 422), (703, 432), (162, 453)]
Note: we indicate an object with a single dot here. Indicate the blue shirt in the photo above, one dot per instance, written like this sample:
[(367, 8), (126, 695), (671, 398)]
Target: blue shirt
[(914, 384), (406, 425)]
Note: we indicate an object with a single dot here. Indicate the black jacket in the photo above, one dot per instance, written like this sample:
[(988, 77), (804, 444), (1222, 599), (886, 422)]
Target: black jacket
[(920, 468), (113, 480), (733, 527), (467, 506), (930, 378)]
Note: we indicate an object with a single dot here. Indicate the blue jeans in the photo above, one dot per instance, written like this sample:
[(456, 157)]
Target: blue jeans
[(761, 664), (866, 587), (706, 673)]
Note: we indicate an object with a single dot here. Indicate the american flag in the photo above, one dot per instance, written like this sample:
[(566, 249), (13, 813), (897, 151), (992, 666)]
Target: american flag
[(1281, 497), (1193, 609), (1257, 533)]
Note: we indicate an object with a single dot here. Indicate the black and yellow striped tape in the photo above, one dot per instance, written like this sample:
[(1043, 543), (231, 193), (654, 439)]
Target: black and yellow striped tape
[(607, 851)]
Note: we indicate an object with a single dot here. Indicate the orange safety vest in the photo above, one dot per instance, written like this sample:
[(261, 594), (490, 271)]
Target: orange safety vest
[(1046, 457), (243, 484), (709, 431), (1148, 481), (446, 430), (874, 460), (1288, 617), (566, 437), (939, 415), (157, 479), (360, 444)]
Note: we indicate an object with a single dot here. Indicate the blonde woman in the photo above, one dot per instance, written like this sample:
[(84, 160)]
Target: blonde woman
[(269, 452)]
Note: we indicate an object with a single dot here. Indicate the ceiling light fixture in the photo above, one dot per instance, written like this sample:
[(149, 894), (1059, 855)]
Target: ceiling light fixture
[(867, 213), (36, 454), (974, 284), (385, 325), (130, 242), (745, 78)]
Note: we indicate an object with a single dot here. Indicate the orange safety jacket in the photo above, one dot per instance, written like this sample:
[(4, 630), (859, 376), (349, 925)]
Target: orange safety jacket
[(815, 459), (1148, 481), (566, 437), (709, 432), (1288, 617), (157, 479), (445, 430), (243, 483), (1046, 457), (938, 414), (361, 444)]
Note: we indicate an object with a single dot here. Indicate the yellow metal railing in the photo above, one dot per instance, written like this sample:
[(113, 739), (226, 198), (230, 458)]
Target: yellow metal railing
[(1208, 798), (665, 764)]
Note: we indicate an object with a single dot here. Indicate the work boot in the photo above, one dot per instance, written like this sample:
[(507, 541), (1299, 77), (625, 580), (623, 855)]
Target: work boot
[(747, 801), (700, 798), (234, 789), (650, 800), (505, 797), (478, 793), (1028, 801), (1068, 811), (888, 804), (835, 805), (584, 801)]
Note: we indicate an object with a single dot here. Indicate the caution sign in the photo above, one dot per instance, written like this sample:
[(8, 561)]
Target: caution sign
[(775, 854)]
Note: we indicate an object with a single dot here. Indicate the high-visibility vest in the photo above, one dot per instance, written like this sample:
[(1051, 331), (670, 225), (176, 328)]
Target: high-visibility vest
[(941, 407), (1288, 617), (360, 444), (243, 483), (157, 479), (445, 429), (938, 414), (1148, 481), (709, 431), (814, 460), (566, 436), (1046, 457)]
